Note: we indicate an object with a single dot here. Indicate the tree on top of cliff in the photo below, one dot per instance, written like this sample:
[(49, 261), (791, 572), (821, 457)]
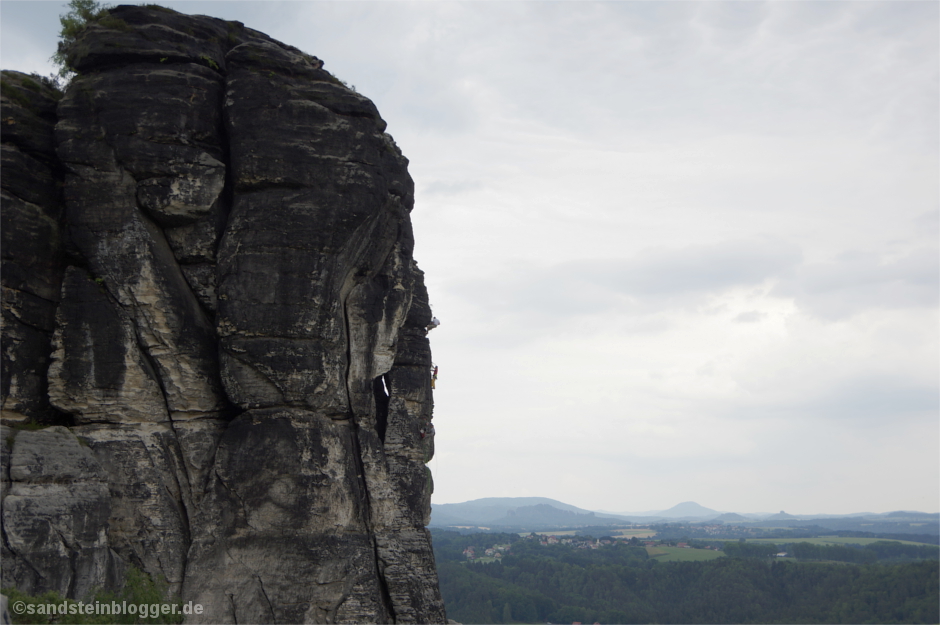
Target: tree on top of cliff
[(81, 13)]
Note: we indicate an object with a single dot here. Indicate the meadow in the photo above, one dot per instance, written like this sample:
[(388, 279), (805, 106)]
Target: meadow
[(831, 540), (681, 554), (638, 533)]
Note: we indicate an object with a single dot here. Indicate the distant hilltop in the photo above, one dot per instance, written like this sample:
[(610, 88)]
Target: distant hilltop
[(542, 513)]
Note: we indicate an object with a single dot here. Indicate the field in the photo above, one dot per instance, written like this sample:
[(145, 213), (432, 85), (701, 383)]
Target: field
[(831, 540), (681, 554), (628, 533), (639, 533)]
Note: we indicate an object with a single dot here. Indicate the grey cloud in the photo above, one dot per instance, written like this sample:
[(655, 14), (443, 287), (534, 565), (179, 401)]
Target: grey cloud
[(928, 222), (873, 399), (751, 316), (864, 399), (857, 281), (527, 301), (648, 281), (456, 187), (886, 398), (705, 268)]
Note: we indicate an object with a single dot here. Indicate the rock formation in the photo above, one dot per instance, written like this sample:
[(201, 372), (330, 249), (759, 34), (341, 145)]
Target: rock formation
[(211, 304)]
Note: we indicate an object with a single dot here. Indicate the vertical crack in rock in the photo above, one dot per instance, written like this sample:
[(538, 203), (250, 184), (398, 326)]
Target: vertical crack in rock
[(362, 474), (184, 494), (267, 599), (231, 599), (235, 330)]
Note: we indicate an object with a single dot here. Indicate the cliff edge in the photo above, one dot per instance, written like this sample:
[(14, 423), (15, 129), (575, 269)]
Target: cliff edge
[(215, 363)]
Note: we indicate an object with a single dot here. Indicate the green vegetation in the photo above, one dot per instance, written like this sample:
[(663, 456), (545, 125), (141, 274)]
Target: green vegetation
[(837, 540), (620, 583), (30, 426), (683, 554), (205, 58), (81, 13), (139, 590), (31, 84), (10, 91), (713, 533), (630, 533), (750, 550), (340, 81), (882, 550), (838, 549)]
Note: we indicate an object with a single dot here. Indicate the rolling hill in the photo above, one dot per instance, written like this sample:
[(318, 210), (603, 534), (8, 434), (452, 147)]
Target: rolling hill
[(542, 513)]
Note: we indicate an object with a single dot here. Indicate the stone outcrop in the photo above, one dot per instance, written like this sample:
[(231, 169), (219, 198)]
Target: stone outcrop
[(210, 297), (31, 244)]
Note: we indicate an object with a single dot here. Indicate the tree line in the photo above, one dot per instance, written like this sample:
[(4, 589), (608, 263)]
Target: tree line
[(881, 551), (622, 584)]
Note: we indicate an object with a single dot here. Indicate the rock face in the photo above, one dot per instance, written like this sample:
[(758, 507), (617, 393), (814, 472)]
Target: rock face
[(209, 294)]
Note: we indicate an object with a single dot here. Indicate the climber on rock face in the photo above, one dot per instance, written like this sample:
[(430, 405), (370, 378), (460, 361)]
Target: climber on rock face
[(434, 323)]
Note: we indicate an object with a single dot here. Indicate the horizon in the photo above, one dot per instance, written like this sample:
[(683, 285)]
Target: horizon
[(645, 510), (680, 251)]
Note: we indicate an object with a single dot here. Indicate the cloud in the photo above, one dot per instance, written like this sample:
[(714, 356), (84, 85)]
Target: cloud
[(651, 290), (705, 268), (858, 394), (879, 399), (855, 281), (662, 278), (455, 187), (659, 277), (751, 316)]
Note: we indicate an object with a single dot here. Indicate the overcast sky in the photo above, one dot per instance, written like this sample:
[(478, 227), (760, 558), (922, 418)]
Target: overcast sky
[(680, 251)]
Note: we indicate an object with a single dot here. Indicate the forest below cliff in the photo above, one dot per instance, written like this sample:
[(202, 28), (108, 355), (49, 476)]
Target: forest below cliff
[(621, 583)]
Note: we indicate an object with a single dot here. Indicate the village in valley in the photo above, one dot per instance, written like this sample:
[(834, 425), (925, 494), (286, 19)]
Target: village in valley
[(639, 538)]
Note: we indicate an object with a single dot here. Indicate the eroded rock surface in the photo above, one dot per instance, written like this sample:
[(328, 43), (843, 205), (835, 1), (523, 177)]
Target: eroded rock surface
[(31, 243), (209, 278)]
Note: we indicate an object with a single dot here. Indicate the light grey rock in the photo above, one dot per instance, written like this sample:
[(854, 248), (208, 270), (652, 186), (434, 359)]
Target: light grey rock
[(98, 371), (283, 527), (55, 517), (150, 496)]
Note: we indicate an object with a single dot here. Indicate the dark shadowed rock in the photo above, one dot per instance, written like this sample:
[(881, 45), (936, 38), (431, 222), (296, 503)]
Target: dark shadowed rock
[(31, 243), (223, 304)]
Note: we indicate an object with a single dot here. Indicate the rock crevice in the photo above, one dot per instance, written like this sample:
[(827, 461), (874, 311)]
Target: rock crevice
[(210, 297)]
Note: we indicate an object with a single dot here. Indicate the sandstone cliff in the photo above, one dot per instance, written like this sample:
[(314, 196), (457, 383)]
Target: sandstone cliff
[(211, 304)]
